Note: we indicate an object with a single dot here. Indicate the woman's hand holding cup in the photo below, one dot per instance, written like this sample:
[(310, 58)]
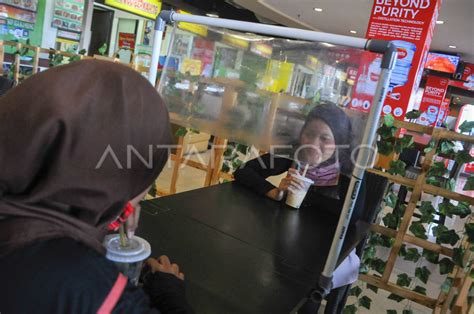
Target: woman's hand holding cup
[(292, 182)]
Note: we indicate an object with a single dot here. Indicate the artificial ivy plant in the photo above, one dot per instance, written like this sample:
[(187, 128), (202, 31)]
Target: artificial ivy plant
[(389, 142)]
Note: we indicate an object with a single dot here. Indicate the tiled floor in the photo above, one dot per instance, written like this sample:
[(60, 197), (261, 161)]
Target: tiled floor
[(191, 178)]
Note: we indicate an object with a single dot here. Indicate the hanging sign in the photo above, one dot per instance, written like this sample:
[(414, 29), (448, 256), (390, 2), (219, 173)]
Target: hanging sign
[(193, 28), (262, 50), (443, 112), (146, 8), (433, 98), (126, 40), (410, 25), (235, 41)]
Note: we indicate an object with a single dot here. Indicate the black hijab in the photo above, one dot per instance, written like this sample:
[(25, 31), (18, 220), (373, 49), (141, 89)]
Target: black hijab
[(341, 127)]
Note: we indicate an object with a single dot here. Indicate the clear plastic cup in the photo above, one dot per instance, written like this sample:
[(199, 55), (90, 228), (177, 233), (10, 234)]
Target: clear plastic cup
[(129, 259), (294, 199)]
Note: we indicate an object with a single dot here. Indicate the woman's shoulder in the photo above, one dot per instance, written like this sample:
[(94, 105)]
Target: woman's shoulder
[(59, 273), (54, 273), (62, 266)]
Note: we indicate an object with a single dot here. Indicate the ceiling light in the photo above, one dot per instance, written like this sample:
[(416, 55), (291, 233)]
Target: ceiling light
[(318, 9), (212, 15), (439, 22), (452, 46), (353, 32)]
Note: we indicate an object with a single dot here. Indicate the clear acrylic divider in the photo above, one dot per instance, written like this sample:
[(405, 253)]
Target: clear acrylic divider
[(260, 91)]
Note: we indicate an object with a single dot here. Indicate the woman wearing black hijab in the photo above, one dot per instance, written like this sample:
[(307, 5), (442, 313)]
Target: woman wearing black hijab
[(325, 146), (58, 195)]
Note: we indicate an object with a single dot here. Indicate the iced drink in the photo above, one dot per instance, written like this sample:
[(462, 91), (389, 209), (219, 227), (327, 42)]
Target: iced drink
[(129, 259), (294, 199)]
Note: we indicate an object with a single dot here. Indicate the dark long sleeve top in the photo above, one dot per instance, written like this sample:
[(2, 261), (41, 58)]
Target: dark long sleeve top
[(65, 276), (253, 174)]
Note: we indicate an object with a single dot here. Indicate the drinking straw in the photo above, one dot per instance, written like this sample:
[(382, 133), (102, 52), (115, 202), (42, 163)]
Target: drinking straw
[(123, 236), (305, 170)]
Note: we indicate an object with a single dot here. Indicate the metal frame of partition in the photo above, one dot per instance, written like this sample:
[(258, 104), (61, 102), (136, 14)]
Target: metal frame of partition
[(315, 296)]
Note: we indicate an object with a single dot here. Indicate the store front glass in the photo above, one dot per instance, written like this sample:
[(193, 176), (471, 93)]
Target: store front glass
[(124, 30)]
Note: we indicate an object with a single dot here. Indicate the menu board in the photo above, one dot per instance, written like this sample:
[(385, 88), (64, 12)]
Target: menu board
[(30, 5), (22, 20), (8, 12), (68, 14)]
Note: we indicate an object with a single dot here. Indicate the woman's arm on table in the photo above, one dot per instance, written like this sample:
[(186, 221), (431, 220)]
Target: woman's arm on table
[(253, 174)]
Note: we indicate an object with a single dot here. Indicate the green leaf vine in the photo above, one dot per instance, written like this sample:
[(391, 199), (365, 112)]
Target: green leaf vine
[(438, 175)]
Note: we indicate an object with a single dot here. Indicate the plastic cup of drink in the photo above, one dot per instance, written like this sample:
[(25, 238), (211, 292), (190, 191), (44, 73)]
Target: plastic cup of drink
[(129, 259), (294, 199)]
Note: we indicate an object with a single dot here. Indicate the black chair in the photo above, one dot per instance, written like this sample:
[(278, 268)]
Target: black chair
[(371, 193), (5, 85)]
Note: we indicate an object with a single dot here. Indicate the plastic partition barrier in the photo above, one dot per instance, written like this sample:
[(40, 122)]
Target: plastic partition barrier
[(258, 90)]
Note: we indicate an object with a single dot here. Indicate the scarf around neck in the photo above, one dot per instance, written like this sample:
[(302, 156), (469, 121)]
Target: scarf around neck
[(324, 176)]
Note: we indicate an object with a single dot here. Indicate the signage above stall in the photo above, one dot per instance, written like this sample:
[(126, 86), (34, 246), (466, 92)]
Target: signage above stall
[(262, 50), (193, 28), (146, 8), (312, 62), (235, 41)]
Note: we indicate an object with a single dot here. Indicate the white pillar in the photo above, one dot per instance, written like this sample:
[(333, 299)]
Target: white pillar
[(49, 33), (87, 31)]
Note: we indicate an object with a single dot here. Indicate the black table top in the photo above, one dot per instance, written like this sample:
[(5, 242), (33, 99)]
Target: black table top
[(241, 252)]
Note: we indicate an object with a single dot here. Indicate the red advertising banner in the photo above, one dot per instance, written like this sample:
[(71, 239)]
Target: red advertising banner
[(127, 40), (410, 24), (367, 78), (468, 74), (443, 112), (204, 50), (352, 73), (433, 98), (469, 85), (465, 114)]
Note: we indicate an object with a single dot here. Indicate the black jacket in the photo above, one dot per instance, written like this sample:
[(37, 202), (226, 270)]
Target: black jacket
[(253, 174), (65, 276)]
